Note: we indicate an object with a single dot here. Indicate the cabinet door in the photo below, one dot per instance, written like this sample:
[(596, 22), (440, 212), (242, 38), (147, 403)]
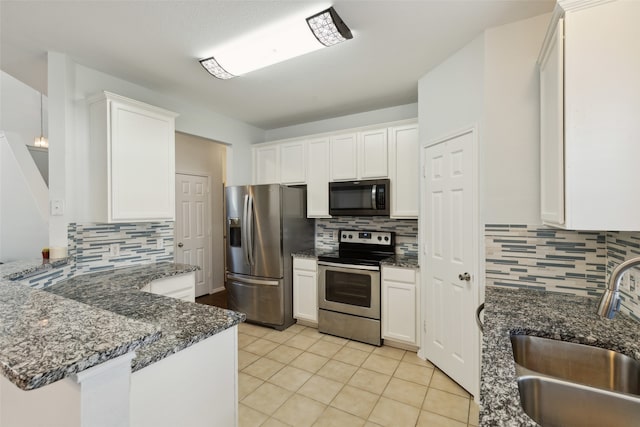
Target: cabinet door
[(266, 165), (293, 162), (399, 302), (552, 192), (372, 154), (180, 287), (142, 170), (404, 165), (318, 178), (305, 290), (344, 157)]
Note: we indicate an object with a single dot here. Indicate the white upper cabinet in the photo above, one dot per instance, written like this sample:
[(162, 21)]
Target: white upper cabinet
[(404, 170), (344, 157), (318, 152), (266, 164), (552, 128), (589, 136), (372, 155), (132, 160), (293, 161)]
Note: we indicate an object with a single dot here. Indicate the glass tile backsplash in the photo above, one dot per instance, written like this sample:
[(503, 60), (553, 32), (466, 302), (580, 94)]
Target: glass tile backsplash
[(406, 231)]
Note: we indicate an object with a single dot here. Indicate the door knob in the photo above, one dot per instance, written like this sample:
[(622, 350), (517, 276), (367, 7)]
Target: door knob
[(466, 277), (180, 245)]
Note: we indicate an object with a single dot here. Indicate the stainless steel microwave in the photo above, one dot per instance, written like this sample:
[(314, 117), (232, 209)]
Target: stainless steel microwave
[(359, 198)]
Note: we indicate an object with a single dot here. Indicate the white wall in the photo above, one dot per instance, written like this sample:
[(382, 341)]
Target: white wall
[(512, 122), (69, 86), (493, 82), (401, 112), (451, 96), (23, 227)]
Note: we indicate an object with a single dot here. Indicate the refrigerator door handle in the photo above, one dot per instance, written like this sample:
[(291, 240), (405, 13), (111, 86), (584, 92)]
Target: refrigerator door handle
[(244, 279), (250, 248), (245, 230)]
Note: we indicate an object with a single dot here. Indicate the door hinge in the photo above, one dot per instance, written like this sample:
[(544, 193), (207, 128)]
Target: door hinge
[(424, 326)]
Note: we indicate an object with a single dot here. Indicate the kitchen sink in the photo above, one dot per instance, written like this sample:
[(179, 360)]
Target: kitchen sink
[(592, 366), (567, 384), (555, 403)]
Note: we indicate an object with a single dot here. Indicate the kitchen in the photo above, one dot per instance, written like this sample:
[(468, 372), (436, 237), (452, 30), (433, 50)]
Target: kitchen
[(488, 82)]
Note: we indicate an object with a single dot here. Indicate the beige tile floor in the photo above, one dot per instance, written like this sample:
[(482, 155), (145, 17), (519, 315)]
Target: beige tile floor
[(300, 377)]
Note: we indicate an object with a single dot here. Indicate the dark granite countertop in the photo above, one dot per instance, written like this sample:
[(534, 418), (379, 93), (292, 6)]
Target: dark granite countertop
[(406, 261), (545, 314), (44, 337), (118, 291)]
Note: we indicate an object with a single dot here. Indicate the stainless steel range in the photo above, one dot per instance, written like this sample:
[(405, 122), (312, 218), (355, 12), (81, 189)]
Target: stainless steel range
[(349, 285)]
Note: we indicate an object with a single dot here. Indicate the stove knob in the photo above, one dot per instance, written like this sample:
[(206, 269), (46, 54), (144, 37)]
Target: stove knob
[(386, 239), (379, 237), (344, 236), (350, 236)]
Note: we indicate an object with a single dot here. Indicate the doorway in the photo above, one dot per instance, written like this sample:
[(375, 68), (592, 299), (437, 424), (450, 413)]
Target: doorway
[(201, 163)]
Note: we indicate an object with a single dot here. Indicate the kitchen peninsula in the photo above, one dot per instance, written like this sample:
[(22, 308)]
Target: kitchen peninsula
[(96, 350)]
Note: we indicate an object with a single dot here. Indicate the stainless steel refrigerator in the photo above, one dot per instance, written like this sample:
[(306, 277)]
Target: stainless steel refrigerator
[(265, 224)]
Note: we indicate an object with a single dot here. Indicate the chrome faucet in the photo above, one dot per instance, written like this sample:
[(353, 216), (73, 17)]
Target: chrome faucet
[(610, 301)]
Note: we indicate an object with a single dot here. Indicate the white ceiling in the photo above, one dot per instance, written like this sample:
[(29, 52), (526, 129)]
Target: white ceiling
[(157, 44)]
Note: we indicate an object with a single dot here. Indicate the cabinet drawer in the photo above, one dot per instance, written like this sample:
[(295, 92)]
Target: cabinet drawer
[(305, 264), (404, 275)]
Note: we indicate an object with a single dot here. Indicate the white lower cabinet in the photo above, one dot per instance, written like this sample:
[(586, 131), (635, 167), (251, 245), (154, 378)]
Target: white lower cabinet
[(400, 299), (181, 287), (305, 290)]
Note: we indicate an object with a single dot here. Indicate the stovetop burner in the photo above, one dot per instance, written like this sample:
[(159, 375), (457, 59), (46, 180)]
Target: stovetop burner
[(362, 248)]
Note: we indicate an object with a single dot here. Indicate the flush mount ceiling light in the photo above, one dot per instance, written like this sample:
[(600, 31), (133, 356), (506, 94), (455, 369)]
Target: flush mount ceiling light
[(277, 43)]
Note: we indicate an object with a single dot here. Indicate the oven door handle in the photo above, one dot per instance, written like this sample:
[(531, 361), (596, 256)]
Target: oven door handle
[(349, 266)]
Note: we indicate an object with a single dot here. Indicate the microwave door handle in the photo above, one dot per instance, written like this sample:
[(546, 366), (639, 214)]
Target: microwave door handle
[(374, 190)]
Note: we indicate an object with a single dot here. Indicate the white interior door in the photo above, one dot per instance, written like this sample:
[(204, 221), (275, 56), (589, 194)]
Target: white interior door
[(193, 228), (449, 218)]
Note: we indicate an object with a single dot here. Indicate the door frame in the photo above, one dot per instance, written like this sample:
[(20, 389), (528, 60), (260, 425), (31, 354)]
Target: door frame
[(477, 236), (208, 220)]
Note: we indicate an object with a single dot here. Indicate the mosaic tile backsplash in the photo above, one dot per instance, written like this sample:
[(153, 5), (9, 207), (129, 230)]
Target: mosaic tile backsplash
[(89, 249), (621, 246), (406, 231), (138, 244), (565, 261), (537, 257)]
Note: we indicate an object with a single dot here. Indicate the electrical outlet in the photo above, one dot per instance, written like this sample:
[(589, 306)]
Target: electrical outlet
[(57, 207), (159, 243), (114, 249)]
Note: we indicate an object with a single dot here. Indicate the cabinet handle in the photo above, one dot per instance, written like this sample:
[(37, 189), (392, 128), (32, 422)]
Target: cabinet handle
[(180, 245)]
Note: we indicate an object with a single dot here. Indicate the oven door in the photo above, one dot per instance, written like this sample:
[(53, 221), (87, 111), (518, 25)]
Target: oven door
[(350, 289)]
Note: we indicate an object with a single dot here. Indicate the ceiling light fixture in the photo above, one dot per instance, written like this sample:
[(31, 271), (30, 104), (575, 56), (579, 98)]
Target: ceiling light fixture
[(41, 141), (277, 43)]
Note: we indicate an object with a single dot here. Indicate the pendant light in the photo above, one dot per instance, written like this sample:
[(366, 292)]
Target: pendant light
[(41, 141)]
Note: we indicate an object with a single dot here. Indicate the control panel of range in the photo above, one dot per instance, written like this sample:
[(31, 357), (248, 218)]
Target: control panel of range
[(367, 237)]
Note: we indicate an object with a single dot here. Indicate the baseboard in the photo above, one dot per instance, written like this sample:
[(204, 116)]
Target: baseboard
[(216, 290), (400, 345), (307, 323)]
